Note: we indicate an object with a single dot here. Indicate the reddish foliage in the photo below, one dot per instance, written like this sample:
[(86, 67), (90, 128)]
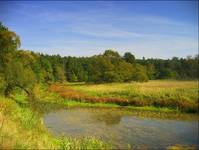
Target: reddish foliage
[(69, 93)]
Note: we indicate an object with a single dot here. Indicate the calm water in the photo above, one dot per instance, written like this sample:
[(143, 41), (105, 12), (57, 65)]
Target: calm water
[(122, 127)]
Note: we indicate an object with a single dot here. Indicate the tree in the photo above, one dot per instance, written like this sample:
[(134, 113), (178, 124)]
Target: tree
[(124, 70), (167, 73), (111, 76), (82, 75), (150, 70), (59, 74), (9, 41), (98, 65), (73, 77), (16, 75), (130, 58), (140, 74), (46, 70), (111, 53)]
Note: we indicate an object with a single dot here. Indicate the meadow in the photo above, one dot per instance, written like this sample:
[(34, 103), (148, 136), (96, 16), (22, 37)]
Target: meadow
[(177, 95)]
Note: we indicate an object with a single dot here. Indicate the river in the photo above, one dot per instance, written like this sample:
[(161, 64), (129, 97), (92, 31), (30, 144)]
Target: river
[(121, 127)]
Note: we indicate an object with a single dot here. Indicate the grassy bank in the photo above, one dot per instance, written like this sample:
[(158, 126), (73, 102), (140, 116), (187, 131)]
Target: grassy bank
[(21, 125), (72, 103), (174, 95)]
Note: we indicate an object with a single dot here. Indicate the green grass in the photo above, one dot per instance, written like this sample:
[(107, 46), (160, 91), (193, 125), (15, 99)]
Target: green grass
[(72, 103), (179, 95), (21, 127)]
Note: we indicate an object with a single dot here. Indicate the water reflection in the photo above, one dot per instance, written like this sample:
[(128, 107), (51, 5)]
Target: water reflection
[(122, 127), (110, 118)]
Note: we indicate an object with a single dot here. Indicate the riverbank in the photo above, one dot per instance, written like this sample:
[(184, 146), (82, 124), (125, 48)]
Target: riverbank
[(178, 96), (22, 125)]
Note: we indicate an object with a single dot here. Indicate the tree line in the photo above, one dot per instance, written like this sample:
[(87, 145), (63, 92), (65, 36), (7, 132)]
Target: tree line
[(22, 68)]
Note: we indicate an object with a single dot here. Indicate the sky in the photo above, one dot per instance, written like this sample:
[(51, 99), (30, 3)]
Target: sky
[(150, 29)]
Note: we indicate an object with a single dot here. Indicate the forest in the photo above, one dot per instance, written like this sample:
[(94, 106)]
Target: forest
[(25, 68)]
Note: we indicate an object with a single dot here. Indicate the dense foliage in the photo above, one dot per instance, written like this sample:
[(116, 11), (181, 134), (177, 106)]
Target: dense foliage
[(22, 68)]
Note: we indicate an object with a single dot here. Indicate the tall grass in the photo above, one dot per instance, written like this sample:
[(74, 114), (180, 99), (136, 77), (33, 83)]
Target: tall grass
[(21, 128), (179, 95)]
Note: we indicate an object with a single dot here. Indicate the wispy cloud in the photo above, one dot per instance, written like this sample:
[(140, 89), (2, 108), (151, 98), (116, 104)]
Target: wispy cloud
[(88, 28), (106, 31), (93, 23)]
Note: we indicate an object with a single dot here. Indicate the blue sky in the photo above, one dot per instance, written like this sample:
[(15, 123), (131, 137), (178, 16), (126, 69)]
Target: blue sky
[(150, 29)]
